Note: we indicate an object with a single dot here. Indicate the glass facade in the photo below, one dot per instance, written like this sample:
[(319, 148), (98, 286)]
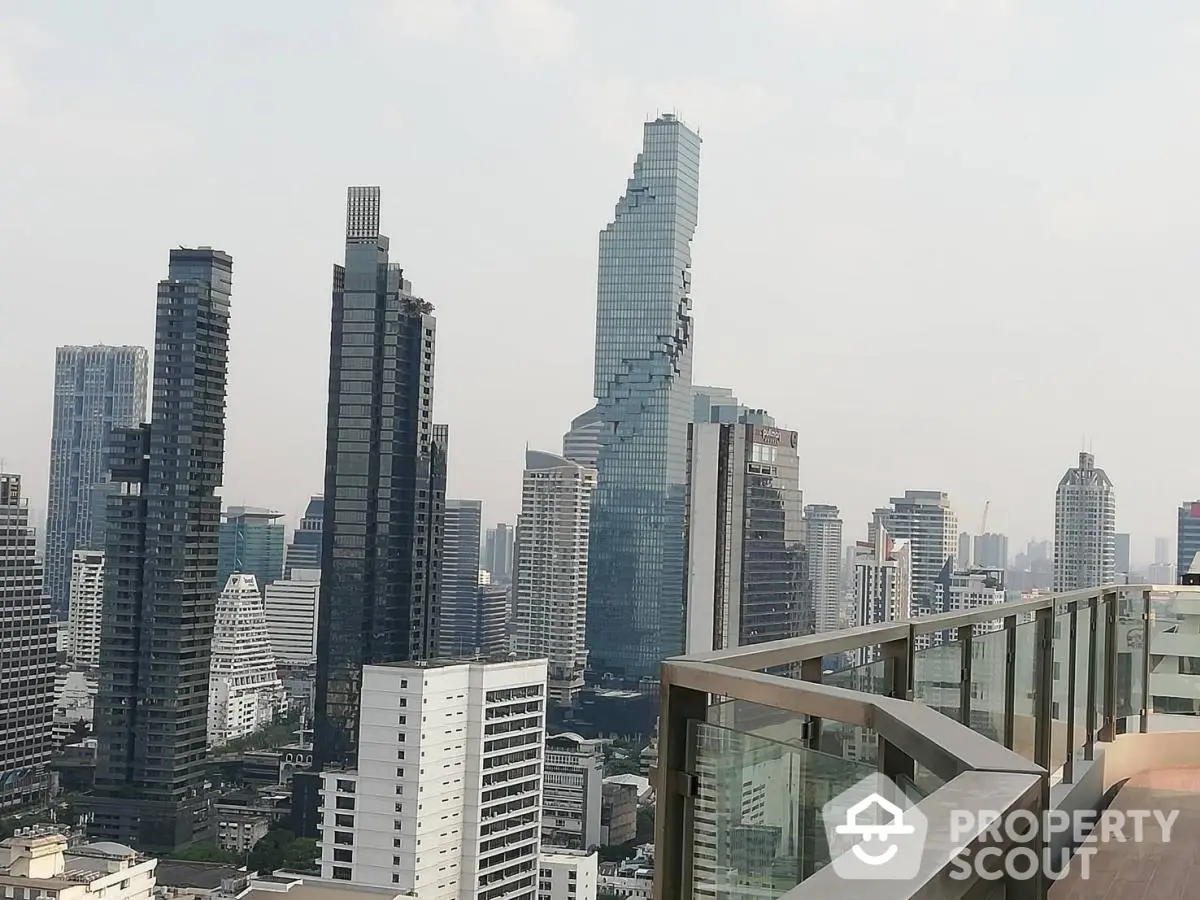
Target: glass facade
[(304, 552), (251, 544), (96, 389), (385, 482), (644, 399), (162, 539), (458, 604)]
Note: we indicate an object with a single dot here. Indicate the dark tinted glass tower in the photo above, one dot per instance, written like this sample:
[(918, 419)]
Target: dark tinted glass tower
[(644, 401), (385, 482), (458, 605), (252, 541), (162, 539), (304, 552)]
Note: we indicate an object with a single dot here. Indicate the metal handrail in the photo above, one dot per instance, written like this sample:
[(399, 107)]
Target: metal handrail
[(909, 732)]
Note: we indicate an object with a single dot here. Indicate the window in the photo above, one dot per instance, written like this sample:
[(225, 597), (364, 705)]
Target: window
[(403, 720), (345, 803), (340, 855), (341, 820), (403, 683), (399, 772), (341, 873), (343, 837), (346, 787)]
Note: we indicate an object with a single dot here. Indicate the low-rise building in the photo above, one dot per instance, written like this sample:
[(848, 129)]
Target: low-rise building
[(629, 880), (568, 875), (39, 862), (618, 813), (571, 792)]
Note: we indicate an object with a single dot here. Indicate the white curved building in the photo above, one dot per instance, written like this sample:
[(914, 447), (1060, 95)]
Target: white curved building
[(244, 690)]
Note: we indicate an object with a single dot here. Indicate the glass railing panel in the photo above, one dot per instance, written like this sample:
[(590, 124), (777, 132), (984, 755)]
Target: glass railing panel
[(852, 742), (988, 682), (1101, 661), (756, 823), (1083, 627), (1025, 690), (1064, 735), (937, 678), (1175, 653), (1131, 655)]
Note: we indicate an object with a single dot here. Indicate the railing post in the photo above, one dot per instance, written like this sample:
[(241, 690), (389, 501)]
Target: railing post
[(1072, 658), (1089, 747), (1043, 675), (894, 763), (676, 787), (1010, 679), (1147, 630), (1108, 730), (965, 635), (813, 670)]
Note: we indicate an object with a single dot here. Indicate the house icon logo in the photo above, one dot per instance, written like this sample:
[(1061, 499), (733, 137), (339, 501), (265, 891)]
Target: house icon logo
[(874, 832)]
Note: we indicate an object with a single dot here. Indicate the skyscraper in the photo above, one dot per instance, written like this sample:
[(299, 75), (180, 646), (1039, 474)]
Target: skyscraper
[(252, 540), (1121, 545), (582, 443), (385, 481), (458, 597), (27, 654), (160, 565), (1188, 536), (990, 551), (882, 581), (96, 389), (304, 552), (747, 568), (498, 553), (643, 377), (926, 521), (552, 569), (1085, 512), (823, 541)]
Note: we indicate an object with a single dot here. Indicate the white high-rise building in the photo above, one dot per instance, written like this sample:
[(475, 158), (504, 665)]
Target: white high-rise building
[(882, 581), (823, 540), (552, 568), (568, 875), (573, 792), (926, 521), (244, 690), (291, 610), (86, 595), (446, 801), (1085, 514)]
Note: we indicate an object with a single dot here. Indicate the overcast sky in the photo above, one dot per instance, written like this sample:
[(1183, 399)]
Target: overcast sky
[(945, 241)]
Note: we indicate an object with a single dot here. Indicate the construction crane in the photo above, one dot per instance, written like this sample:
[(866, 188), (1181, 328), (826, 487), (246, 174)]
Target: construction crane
[(987, 504)]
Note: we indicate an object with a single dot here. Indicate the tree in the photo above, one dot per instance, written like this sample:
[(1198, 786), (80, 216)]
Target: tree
[(645, 825), (206, 851), (280, 849)]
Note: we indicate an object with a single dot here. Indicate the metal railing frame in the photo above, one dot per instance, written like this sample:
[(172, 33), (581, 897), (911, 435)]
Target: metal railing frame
[(910, 733)]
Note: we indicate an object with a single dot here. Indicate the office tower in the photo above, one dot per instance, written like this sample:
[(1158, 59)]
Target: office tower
[(252, 540), (643, 393), (446, 799), (747, 569), (493, 620), (970, 589), (1162, 549), (1121, 552), (823, 541), (718, 404), (499, 553), (568, 875), (96, 389), (458, 596), (97, 530), (963, 558), (582, 443), (87, 601), (244, 690), (27, 655), (990, 551), (304, 552), (1085, 512), (290, 606), (160, 564), (571, 797), (1187, 543), (551, 585), (1162, 573), (385, 481), (926, 521)]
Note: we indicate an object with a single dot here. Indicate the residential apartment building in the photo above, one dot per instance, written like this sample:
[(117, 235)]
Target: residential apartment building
[(96, 389), (926, 521), (572, 795), (823, 542), (551, 585), (568, 875), (86, 603), (27, 655), (245, 692), (290, 606), (458, 591), (42, 863), (1085, 513), (445, 801)]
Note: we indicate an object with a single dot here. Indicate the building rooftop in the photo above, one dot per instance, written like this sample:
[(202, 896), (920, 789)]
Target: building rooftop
[(178, 873), (286, 886)]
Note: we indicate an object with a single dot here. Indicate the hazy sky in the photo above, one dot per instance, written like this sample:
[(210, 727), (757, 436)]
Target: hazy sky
[(945, 241)]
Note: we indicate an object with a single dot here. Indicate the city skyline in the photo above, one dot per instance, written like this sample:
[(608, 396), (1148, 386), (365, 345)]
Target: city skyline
[(282, 233)]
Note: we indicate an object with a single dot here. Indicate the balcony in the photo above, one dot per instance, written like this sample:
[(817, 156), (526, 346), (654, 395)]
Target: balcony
[(1055, 706)]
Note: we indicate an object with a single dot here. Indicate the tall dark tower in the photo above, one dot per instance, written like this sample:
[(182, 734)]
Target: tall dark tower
[(385, 482), (162, 543)]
